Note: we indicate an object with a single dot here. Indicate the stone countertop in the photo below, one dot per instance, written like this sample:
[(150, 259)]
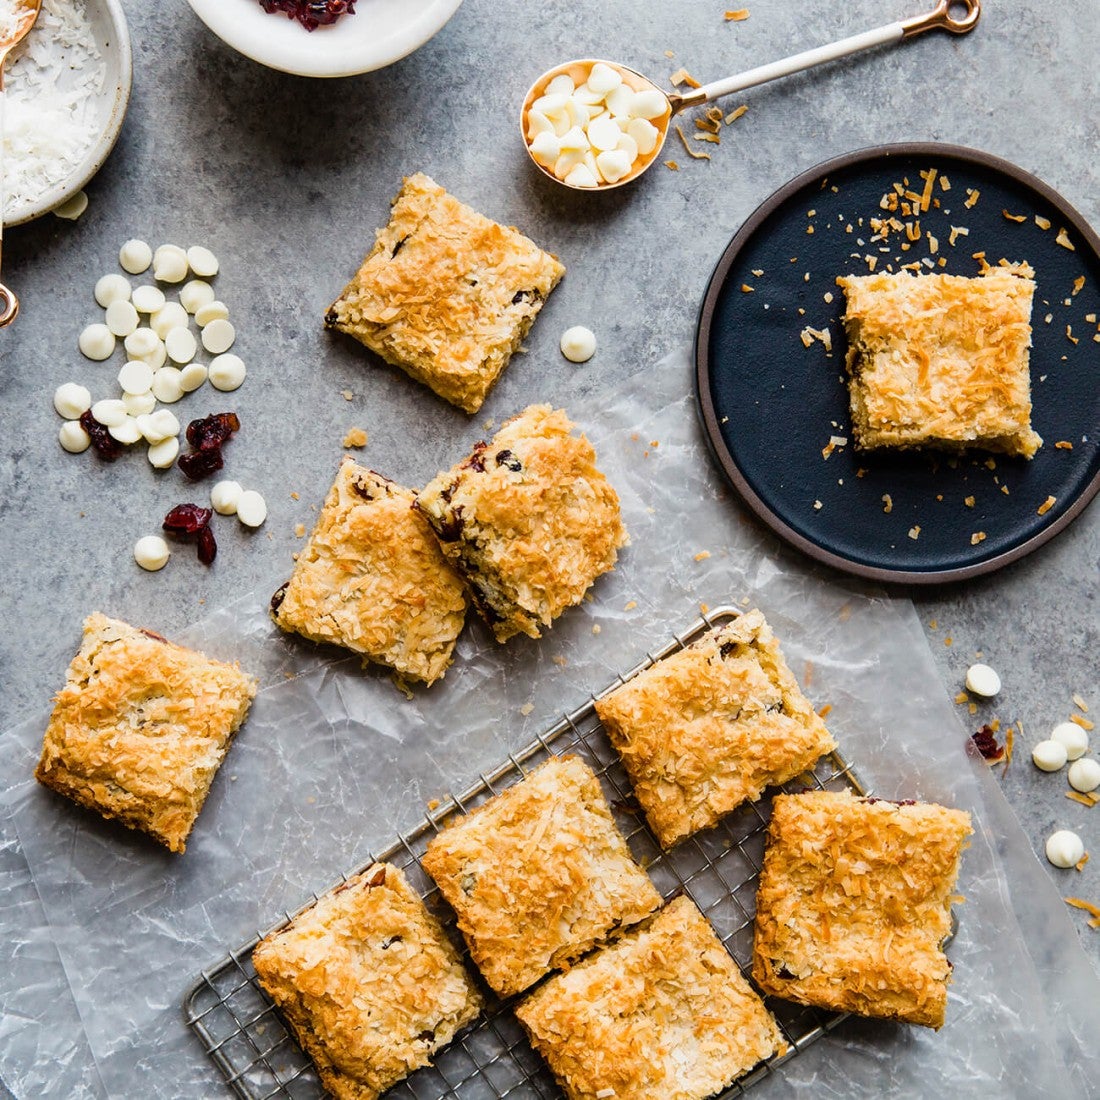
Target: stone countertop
[(286, 179)]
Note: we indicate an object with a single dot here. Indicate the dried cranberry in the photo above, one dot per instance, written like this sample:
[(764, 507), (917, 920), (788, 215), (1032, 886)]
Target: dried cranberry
[(187, 519), (208, 548), (212, 431), (506, 458), (476, 461), (200, 464), (985, 740), (105, 444), (311, 13), (278, 597)]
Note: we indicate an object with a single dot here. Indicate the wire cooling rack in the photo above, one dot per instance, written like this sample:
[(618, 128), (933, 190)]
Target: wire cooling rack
[(718, 869)]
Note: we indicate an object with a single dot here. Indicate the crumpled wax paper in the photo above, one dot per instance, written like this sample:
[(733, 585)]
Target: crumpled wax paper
[(333, 761)]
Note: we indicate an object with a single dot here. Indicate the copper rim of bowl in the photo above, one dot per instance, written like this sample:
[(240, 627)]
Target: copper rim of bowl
[(587, 63)]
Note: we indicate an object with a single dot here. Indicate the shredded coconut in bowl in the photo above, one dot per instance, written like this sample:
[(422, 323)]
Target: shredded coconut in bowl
[(51, 83)]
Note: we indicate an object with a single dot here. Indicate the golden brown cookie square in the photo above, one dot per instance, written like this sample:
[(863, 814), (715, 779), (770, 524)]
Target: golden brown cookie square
[(528, 519), (538, 875), (368, 982), (711, 726), (373, 580), (854, 904), (446, 294), (941, 360), (662, 1012), (141, 727)]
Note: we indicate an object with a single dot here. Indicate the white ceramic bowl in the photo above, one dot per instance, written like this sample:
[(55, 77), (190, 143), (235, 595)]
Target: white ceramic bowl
[(113, 38), (378, 34)]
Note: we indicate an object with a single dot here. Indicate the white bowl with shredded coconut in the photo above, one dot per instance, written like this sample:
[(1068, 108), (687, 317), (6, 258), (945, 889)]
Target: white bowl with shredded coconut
[(66, 90)]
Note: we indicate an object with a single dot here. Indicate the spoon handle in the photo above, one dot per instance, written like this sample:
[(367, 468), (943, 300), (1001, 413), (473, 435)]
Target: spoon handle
[(940, 17)]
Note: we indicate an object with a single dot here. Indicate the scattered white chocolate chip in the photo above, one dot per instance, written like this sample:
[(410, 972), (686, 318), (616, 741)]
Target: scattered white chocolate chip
[(72, 208), (170, 264), (135, 257), (126, 431), (171, 315), (136, 377), (225, 496), (167, 385), (196, 294), (251, 508), (109, 412), (192, 376), (1073, 737), (982, 680), (151, 552), (140, 343), (158, 426), (163, 454), (578, 344), (121, 317), (1065, 849), (148, 298), (226, 372), (112, 288), (72, 399), (139, 404), (1084, 774), (218, 336), (155, 358), (211, 311), (1049, 756), (73, 438), (97, 342), (181, 345), (203, 262)]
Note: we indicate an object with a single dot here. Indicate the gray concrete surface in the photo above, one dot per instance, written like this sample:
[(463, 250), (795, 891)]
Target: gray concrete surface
[(287, 178)]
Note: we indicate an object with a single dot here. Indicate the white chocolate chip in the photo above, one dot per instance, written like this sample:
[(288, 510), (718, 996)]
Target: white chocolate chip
[(139, 404), (567, 162), (148, 298), (163, 454), (1073, 737), (202, 261), (604, 134), (546, 149), (581, 176), (136, 377), (72, 208), (982, 680), (167, 385), (620, 100), (73, 438), (156, 357), (127, 431), (614, 165), (629, 146), (226, 372), (159, 426), (645, 135), (135, 257), (112, 288), (648, 104), (110, 412), (171, 315), (71, 399), (170, 264), (1084, 774), (122, 318), (196, 294), (575, 140), (211, 311), (578, 344), (192, 376), (1049, 756), (251, 508), (550, 104), (141, 343), (225, 496), (538, 123), (97, 342), (583, 93), (603, 79), (562, 84), (218, 336), (1065, 849), (181, 345), (151, 552)]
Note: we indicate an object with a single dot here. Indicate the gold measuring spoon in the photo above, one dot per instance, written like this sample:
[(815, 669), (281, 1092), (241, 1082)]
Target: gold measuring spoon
[(27, 13), (659, 112)]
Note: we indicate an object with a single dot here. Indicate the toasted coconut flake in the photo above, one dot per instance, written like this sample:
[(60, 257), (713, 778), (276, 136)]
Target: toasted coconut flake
[(969, 502), (1080, 864), (972, 196), (746, 289), (1080, 903), (1041, 222), (914, 532), (737, 16), (672, 165), (702, 555), (1010, 740), (888, 507), (1084, 723), (1079, 702), (347, 395), (300, 530), (957, 231), (736, 113), (682, 76), (355, 437), (1063, 240), (977, 537), (1088, 800), (1063, 445), (714, 139), (1046, 506), (945, 183), (1014, 217), (686, 144)]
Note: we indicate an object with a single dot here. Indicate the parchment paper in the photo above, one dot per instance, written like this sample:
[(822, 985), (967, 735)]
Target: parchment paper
[(333, 761)]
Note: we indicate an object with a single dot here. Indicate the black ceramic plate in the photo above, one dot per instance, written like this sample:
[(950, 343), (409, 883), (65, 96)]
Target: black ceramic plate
[(770, 404)]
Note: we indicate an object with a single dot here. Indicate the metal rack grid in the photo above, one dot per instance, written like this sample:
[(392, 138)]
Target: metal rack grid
[(718, 869)]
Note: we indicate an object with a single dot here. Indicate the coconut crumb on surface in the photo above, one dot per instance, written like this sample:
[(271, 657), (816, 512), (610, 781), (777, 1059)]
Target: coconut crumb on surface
[(1046, 506), (560, 661), (978, 536), (1087, 800), (1063, 240), (746, 289), (693, 153), (526, 709), (972, 196), (1063, 445), (835, 441), (739, 15), (1041, 222), (1079, 702), (1014, 217), (631, 605), (1093, 910), (702, 555), (347, 395), (672, 166), (736, 113), (914, 532), (969, 502), (596, 628), (300, 530), (355, 437), (682, 76), (1084, 723), (888, 507)]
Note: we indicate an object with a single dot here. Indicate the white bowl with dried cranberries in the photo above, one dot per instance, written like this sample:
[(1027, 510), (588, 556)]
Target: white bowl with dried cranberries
[(325, 37)]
